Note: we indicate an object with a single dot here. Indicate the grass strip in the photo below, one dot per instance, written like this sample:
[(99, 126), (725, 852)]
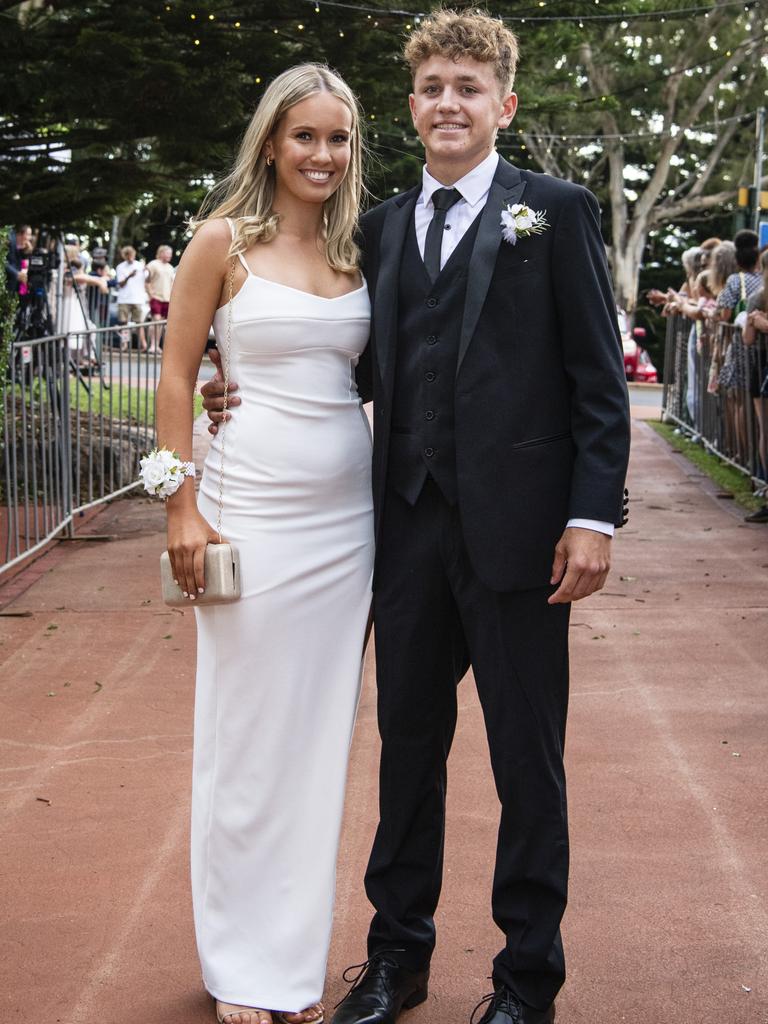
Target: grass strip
[(727, 478), (136, 404)]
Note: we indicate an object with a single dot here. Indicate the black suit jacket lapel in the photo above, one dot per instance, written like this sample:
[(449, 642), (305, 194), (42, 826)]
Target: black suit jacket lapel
[(507, 188), (387, 282)]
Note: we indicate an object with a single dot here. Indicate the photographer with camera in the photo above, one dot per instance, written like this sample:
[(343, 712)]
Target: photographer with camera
[(19, 248)]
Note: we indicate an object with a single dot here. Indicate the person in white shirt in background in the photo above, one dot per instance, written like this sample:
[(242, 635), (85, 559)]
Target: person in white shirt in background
[(131, 296), (159, 281)]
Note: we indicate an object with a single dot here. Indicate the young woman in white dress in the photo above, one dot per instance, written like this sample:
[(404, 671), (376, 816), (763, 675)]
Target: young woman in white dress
[(279, 671), (74, 319)]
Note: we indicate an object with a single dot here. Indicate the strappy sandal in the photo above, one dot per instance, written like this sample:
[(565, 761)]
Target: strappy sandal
[(221, 1017), (280, 1018)]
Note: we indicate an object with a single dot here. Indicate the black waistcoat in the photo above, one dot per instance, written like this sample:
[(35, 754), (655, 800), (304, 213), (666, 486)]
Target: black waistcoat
[(428, 330)]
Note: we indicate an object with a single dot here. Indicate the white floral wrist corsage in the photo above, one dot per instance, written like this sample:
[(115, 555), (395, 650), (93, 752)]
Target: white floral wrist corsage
[(163, 472)]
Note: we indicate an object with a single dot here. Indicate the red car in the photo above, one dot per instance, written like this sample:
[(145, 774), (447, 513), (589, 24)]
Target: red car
[(637, 363)]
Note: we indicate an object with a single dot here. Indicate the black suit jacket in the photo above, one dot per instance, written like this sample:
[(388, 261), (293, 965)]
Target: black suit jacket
[(541, 410)]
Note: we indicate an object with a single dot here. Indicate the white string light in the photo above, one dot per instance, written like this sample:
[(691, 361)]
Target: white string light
[(600, 137), (578, 19)]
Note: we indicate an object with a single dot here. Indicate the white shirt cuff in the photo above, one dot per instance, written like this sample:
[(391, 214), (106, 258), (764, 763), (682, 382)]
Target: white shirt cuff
[(592, 524)]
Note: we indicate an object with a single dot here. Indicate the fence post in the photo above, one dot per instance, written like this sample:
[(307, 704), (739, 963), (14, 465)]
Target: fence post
[(66, 436)]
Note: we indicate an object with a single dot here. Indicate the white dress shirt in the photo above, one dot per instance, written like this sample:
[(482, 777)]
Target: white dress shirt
[(474, 188)]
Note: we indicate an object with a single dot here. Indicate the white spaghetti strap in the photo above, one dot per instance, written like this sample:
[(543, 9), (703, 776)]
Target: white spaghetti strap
[(239, 255)]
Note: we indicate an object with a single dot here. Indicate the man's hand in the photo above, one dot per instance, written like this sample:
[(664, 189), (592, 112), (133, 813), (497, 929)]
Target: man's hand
[(585, 558), (213, 394)]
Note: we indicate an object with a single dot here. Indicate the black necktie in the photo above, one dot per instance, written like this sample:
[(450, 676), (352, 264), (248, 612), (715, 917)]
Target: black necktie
[(442, 200)]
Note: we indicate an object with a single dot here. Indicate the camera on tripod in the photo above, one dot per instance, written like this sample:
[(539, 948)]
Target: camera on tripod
[(42, 263), (33, 319)]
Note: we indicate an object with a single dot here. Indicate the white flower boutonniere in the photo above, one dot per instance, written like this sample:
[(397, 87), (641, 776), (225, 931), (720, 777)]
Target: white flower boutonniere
[(163, 472), (521, 221)]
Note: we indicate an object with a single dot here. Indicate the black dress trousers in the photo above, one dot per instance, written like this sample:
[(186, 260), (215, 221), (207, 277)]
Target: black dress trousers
[(433, 617)]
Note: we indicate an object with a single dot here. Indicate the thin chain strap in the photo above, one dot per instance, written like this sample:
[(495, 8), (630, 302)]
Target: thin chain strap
[(227, 349)]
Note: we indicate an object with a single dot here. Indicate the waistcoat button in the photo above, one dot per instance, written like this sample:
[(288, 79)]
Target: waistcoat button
[(429, 452), (431, 303), (431, 339), (429, 414), (430, 376)]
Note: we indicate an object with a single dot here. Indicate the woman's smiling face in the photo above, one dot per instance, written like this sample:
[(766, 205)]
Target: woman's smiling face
[(312, 147)]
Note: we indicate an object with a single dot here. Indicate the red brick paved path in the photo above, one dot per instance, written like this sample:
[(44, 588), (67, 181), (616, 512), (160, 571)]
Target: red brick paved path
[(668, 920)]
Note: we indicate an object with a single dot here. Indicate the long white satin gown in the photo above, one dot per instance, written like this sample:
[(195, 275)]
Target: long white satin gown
[(278, 672)]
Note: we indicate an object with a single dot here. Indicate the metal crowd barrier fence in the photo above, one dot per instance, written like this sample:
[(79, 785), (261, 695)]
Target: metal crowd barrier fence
[(78, 413), (712, 390)]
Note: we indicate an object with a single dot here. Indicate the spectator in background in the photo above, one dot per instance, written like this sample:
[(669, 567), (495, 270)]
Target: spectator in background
[(19, 248), (745, 280), (84, 256), (707, 247), (697, 258), (673, 301), (722, 264), (700, 307), (692, 266), (754, 334), (732, 305), (74, 316), (98, 299), (131, 295), (160, 275)]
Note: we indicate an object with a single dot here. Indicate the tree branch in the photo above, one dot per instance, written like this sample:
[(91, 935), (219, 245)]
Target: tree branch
[(645, 204), (596, 170), (690, 204), (614, 149), (540, 145), (713, 159)]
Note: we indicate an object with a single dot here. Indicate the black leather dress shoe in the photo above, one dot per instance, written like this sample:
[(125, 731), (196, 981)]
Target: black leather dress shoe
[(380, 991), (504, 1007)]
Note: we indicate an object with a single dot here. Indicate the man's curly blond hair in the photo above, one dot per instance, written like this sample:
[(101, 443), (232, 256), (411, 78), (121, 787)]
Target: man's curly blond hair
[(460, 34)]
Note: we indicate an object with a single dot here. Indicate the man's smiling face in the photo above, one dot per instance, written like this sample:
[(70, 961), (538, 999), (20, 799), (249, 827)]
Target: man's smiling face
[(457, 109)]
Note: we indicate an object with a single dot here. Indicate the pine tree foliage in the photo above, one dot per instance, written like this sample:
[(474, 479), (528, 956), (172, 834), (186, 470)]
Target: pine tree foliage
[(649, 103)]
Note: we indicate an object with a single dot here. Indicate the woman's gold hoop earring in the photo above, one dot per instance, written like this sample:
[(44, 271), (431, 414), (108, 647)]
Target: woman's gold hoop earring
[(270, 161)]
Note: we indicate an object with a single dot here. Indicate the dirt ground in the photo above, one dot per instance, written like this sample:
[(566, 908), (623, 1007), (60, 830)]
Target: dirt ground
[(668, 920)]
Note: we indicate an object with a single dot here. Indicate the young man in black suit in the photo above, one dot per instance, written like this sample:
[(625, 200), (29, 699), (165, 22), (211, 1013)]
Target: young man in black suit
[(501, 438)]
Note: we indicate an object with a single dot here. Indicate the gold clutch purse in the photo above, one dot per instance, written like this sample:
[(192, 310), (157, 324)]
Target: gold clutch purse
[(222, 562), (222, 578)]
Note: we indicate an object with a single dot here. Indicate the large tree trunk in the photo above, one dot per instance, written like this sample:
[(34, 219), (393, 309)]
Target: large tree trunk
[(626, 260)]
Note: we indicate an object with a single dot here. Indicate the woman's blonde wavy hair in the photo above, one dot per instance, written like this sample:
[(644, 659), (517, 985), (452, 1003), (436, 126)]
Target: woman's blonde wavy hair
[(247, 192)]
